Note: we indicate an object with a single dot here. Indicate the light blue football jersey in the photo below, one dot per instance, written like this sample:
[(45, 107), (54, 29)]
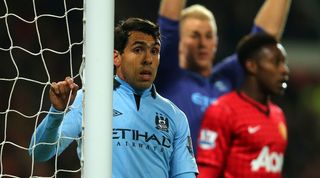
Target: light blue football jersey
[(151, 136)]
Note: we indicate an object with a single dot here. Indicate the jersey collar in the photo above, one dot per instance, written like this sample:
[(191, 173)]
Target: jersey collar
[(261, 107), (118, 82)]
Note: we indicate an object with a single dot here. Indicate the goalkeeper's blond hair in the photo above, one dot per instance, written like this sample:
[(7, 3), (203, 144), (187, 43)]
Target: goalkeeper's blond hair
[(200, 12)]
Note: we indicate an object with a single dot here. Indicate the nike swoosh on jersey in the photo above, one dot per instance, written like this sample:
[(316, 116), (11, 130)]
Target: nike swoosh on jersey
[(253, 129)]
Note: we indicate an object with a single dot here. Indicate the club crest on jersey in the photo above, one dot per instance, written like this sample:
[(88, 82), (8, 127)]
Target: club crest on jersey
[(283, 130), (116, 113), (161, 122)]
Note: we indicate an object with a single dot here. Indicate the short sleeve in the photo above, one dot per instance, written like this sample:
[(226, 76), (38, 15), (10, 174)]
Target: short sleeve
[(183, 160), (214, 140)]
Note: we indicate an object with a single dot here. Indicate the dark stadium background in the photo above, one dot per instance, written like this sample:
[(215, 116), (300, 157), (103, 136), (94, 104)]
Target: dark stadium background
[(301, 103)]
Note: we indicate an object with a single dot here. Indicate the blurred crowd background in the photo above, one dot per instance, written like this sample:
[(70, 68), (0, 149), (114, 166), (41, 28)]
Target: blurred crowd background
[(301, 103)]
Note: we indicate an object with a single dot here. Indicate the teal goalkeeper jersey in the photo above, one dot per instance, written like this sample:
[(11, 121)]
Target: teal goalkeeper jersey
[(151, 136)]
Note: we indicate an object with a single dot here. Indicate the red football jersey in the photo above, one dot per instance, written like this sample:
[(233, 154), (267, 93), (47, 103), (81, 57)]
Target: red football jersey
[(241, 138)]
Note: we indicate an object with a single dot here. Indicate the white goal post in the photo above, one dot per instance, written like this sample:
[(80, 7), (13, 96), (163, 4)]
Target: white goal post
[(98, 45)]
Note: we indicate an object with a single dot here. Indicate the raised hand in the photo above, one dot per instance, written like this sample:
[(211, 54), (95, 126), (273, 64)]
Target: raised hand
[(63, 93)]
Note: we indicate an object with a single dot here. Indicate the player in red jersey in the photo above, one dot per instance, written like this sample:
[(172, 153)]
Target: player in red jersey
[(243, 134)]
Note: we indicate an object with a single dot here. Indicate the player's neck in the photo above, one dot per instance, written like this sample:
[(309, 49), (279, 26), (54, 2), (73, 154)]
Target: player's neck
[(204, 72), (254, 91)]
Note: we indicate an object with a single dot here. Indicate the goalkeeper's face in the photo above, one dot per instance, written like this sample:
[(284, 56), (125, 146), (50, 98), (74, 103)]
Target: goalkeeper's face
[(138, 64)]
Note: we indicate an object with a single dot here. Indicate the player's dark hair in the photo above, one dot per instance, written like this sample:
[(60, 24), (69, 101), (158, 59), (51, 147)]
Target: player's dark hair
[(250, 46), (123, 29)]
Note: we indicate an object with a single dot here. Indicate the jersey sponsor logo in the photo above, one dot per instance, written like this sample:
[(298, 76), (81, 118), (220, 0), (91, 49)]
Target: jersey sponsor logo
[(270, 161), (253, 129), (161, 122), (202, 100), (116, 113), (207, 139), (140, 137)]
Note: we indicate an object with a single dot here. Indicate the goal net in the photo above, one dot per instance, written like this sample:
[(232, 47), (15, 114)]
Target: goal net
[(41, 42)]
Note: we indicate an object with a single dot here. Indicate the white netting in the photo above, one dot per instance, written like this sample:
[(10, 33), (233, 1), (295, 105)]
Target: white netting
[(40, 42)]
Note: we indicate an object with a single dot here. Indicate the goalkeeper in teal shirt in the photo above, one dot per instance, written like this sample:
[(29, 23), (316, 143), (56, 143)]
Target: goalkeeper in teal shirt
[(151, 136)]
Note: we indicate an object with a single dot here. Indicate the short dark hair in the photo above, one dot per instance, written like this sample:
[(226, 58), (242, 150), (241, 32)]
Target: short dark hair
[(122, 30), (250, 46)]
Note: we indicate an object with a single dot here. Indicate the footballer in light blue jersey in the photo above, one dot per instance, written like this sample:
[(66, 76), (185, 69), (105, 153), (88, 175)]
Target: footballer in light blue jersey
[(151, 136)]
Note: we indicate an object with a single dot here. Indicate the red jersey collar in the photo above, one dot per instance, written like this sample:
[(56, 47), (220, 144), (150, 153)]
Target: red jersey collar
[(261, 107)]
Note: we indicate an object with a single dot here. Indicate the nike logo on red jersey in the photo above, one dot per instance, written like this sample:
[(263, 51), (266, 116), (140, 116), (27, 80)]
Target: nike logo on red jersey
[(253, 129)]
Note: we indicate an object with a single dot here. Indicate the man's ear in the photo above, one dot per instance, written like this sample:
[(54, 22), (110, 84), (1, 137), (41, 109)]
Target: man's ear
[(116, 58), (251, 66)]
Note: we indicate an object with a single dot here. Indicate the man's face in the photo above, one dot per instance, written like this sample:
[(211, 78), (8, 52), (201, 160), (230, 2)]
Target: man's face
[(272, 70), (138, 63), (198, 43)]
